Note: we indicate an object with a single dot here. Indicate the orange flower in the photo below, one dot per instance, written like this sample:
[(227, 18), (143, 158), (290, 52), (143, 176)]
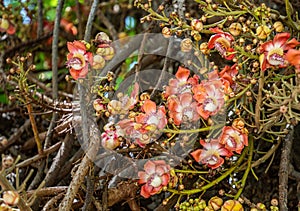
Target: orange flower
[(78, 59), (273, 51), (233, 139)]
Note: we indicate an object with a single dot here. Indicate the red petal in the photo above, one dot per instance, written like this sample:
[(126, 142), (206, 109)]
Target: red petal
[(293, 57), (196, 154), (291, 44), (281, 38), (165, 179), (149, 106), (182, 73), (144, 192), (218, 164), (186, 99), (211, 42)]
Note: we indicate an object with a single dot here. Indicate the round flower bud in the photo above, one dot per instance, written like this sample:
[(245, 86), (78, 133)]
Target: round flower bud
[(11, 197), (215, 203), (102, 37), (107, 53), (4, 24), (166, 32), (197, 25), (98, 62), (262, 32), (203, 48), (232, 205), (278, 26), (186, 45), (7, 161), (235, 29), (98, 105)]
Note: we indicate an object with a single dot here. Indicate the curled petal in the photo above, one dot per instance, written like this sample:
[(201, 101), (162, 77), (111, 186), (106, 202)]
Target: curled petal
[(182, 73), (149, 107)]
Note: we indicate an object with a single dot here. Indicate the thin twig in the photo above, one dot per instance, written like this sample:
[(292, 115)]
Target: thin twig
[(40, 24), (35, 158), (54, 69), (48, 191), (113, 32), (50, 204)]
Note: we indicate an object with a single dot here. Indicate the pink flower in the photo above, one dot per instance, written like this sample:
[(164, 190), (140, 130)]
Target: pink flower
[(182, 108), (153, 118), (182, 83), (110, 136), (150, 123), (125, 102), (154, 178), (210, 97), (273, 51), (226, 76), (233, 139), (221, 41), (211, 153), (78, 59)]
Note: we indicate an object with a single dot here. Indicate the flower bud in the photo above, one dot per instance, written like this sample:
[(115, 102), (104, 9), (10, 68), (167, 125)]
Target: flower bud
[(98, 105), (102, 38), (7, 161), (11, 197), (107, 53), (232, 205), (203, 48), (215, 203), (262, 32), (235, 29), (4, 24), (278, 26), (166, 32), (98, 62), (197, 25), (186, 45)]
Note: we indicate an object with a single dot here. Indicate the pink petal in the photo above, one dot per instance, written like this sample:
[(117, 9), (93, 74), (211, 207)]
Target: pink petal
[(149, 167), (186, 99), (143, 177)]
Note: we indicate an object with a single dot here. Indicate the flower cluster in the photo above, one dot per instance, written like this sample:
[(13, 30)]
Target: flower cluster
[(82, 55), (232, 139), (188, 100)]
